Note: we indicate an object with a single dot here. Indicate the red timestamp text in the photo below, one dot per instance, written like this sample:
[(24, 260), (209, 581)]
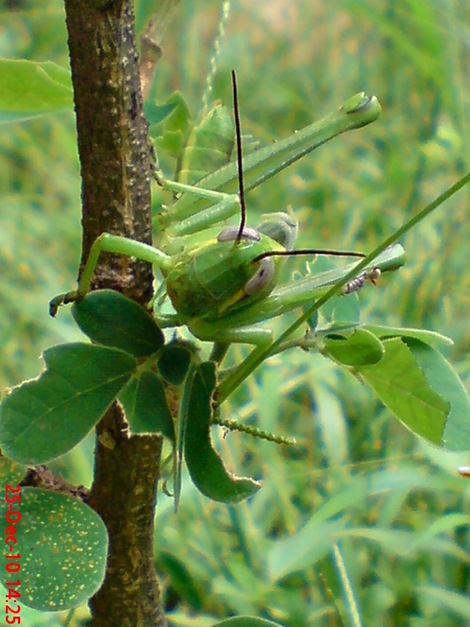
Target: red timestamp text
[(12, 555)]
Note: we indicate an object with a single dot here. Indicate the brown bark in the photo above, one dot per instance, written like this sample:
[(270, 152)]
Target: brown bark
[(114, 157)]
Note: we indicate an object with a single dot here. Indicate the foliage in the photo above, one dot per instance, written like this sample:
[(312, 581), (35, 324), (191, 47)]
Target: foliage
[(336, 518), (50, 520)]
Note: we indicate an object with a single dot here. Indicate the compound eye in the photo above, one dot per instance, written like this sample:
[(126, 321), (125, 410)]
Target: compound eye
[(261, 278), (230, 234)]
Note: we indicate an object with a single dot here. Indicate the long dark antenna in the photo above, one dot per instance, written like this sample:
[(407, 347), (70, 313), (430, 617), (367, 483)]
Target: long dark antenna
[(308, 251), (241, 194), (238, 136)]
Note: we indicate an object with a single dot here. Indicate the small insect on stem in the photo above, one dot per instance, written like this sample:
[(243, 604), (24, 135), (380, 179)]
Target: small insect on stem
[(358, 282)]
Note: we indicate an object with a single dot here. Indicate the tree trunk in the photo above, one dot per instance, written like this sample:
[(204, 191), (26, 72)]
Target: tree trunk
[(114, 156)]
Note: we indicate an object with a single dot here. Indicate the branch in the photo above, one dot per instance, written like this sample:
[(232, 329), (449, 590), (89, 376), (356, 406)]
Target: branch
[(114, 157)]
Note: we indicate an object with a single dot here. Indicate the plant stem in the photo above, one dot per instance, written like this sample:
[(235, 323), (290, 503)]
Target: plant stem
[(114, 157)]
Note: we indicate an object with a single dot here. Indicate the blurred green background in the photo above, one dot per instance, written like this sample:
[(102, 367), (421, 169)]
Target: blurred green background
[(383, 542)]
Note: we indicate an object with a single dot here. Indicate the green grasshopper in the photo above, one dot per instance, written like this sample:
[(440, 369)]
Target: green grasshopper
[(223, 284)]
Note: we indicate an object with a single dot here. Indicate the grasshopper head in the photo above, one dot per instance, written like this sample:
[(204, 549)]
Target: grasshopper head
[(223, 274)]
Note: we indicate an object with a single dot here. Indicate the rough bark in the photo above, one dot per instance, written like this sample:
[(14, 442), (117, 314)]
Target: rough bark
[(115, 170)]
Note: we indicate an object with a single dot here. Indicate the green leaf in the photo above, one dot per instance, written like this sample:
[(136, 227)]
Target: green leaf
[(173, 361), (204, 464), (434, 596), (357, 348), (46, 417), (209, 145), (331, 520), (156, 114), (171, 142), (345, 309), (30, 89), (63, 546), (172, 138), (180, 116), (428, 337), (181, 578), (320, 265), (401, 385), (445, 381), (107, 317), (303, 549), (405, 543), (246, 621), (146, 406)]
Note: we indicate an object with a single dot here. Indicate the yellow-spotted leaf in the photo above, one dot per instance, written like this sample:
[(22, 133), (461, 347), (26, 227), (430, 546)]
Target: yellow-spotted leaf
[(62, 544)]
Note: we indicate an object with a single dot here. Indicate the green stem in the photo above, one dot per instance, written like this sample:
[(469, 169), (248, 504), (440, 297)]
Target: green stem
[(258, 355), (286, 297)]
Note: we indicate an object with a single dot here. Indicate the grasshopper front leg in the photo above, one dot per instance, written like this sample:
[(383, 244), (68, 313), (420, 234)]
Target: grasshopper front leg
[(109, 243)]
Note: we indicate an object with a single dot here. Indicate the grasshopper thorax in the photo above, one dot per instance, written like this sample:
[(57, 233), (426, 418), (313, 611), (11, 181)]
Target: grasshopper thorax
[(223, 274)]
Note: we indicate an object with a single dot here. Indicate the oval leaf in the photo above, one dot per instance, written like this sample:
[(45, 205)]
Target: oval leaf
[(146, 407), (63, 546), (204, 464), (358, 348), (46, 417), (401, 385), (109, 318), (444, 380), (428, 337)]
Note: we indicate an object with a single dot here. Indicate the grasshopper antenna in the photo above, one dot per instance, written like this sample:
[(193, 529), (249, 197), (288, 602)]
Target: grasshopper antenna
[(238, 135), (308, 251), (241, 194)]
